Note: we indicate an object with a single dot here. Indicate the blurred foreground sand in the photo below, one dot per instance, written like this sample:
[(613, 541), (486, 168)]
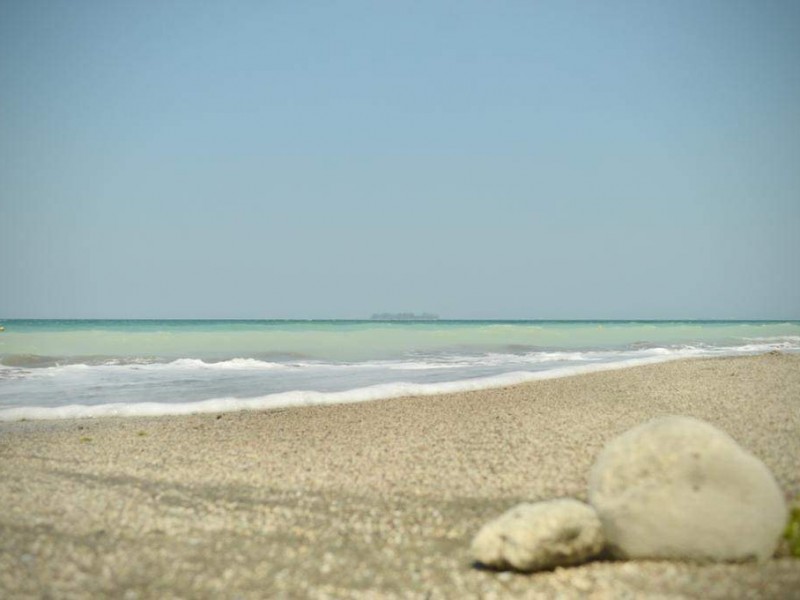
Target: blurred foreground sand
[(379, 499)]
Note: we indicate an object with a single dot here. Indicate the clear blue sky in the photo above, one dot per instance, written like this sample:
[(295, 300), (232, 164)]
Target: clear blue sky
[(483, 159)]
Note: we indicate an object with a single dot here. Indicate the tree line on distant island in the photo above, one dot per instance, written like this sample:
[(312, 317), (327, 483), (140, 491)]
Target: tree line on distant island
[(405, 316)]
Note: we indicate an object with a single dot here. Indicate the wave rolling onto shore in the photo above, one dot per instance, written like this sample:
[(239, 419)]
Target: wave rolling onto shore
[(58, 369)]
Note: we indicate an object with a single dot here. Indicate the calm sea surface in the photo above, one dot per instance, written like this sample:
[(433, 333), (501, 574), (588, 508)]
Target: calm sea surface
[(57, 369)]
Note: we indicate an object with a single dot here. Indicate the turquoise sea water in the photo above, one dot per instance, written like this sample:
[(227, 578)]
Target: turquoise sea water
[(52, 369)]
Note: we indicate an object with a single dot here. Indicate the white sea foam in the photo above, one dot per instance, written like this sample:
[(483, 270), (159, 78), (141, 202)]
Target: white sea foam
[(232, 364), (192, 385), (310, 398), (789, 339), (180, 364)]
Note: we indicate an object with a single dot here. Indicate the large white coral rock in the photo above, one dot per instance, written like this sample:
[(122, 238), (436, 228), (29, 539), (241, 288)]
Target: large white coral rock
[(679, 488), (531, 537)]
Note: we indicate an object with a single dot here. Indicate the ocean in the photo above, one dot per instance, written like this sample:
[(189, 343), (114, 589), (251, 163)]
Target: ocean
[(51, 369)]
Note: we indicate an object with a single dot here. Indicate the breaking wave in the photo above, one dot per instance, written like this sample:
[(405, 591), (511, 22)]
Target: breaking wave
[(306, 397), (60, 369)]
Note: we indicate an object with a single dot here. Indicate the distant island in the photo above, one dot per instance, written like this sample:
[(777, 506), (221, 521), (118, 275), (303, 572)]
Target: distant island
[(404, 317)]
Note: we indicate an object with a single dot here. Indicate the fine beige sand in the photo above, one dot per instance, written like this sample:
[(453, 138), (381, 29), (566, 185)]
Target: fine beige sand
[(369, 500)]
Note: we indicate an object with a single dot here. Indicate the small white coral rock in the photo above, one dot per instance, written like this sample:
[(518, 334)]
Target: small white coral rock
[(679, 488), (532, 537)]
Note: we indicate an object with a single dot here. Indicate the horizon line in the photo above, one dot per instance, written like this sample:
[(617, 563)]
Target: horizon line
[(439, 319)]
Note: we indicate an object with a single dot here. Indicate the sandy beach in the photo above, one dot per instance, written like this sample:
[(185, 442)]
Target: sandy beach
[(379, 499)]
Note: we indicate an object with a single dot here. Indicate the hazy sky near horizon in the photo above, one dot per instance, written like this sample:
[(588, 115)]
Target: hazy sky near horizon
[(187, 159)]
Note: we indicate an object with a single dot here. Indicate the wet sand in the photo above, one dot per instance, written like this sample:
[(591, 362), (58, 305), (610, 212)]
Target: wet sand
[(379, 499)]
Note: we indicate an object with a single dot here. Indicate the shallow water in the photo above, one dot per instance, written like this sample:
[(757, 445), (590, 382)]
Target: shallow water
[(53, 369)]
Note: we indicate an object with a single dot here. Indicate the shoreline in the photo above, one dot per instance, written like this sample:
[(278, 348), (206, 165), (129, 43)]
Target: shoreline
[(367, 499), (307, 398)]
